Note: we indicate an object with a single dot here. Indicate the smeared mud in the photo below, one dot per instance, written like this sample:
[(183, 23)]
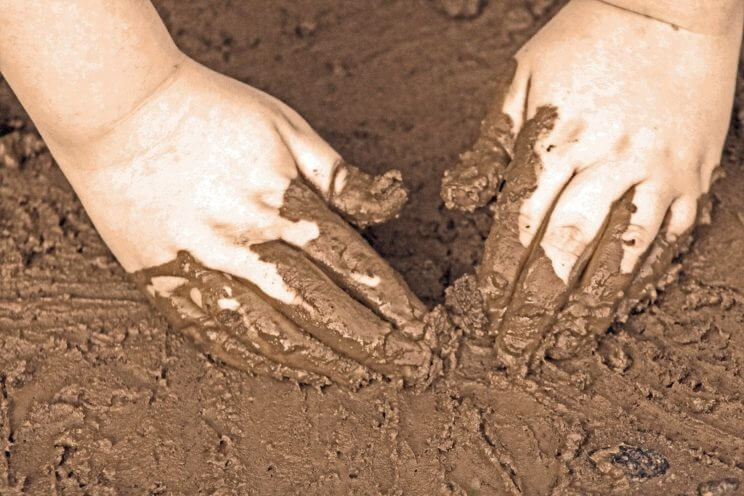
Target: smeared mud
[(98, 395), (364, 199), (349, 303), (529, 310), (476, 177)]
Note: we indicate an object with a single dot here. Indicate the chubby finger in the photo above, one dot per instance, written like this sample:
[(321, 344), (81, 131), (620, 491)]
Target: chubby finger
[(316, 160), (352, 264), (334, 318), (553, 270), (504, 254), (607, 278), (591, 305), (474, 180), (247, 333), (245, 314), (579, 215), (658, 266), (652, 202), (364, 199)]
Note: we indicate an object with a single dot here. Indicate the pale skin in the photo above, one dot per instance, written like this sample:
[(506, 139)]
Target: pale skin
[(649, 107), (168, 156), (636, 98), (154, 143), (122, 106)]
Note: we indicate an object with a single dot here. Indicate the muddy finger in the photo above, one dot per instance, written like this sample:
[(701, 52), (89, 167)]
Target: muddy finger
[(504, 255), (537, 298), (352, 264), (235, 353), (659, 269), (179, 296), (364, 199), (334, 318), (474, 180), (243, 313), (591, 305)]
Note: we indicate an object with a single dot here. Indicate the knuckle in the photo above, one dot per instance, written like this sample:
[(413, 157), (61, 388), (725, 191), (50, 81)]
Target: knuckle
[(568, 239), (637, 237), (683, 215)]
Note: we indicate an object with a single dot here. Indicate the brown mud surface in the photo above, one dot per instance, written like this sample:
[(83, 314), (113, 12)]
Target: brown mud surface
[(98, 395)]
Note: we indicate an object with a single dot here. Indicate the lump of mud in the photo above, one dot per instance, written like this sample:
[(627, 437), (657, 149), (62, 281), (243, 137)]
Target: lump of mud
[(723, 487), (460, 9), (640, 463), (466, 307)]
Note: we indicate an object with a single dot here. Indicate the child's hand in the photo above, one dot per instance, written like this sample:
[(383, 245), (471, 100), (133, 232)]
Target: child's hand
[(620, 121), (238, 183)]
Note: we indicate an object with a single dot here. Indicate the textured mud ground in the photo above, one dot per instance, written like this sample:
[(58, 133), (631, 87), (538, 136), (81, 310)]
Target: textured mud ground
[(99, 397)]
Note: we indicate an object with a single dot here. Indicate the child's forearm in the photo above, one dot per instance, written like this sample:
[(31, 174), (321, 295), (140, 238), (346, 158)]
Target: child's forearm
[(717, 17), (79, 66)]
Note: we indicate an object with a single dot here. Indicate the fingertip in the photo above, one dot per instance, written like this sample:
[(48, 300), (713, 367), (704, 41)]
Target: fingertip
[(365, 199), (682, 215), (563, 250), (316, 160)]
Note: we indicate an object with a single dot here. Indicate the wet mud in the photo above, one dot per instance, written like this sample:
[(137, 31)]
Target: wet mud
[(349, 305), (100, 395), (364, 199)]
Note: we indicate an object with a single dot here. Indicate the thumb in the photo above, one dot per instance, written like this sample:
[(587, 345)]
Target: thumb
[(476, 177), (362, 199)]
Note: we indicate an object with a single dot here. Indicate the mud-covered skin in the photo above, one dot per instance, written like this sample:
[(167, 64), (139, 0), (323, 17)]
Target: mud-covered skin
[(308, 343), (341, 322), (99, 395), (365, 199), (523, 295), (475, 179), (606, 295), (233, 322), (658, 269), (591, 305), (504, 255), (354, 313), (347, 258)]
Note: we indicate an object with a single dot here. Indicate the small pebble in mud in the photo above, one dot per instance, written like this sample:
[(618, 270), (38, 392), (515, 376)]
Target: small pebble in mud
[(640, 463), (461, 9), (622, 461), (723, 487)]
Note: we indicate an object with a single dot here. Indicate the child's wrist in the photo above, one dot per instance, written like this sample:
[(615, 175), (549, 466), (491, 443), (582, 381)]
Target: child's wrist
[(709, 17)]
